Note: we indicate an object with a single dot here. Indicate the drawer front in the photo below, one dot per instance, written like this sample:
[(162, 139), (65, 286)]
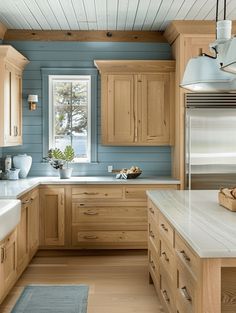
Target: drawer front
[(166, 230), (153, 263), (139, 192), (186, 295), (97, 192), (167, 259), (84, 213), (153, 233), (153, 212), (167, 292), (114, 238), (187, 256)]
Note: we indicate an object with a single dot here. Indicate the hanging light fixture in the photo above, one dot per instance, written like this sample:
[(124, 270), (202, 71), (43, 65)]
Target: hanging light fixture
[(203, 73)]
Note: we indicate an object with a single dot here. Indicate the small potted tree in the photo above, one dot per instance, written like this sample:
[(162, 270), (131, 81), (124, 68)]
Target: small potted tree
[(60, 160)]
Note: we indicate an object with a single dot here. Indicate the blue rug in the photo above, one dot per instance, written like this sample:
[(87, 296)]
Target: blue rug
[(52, 299)]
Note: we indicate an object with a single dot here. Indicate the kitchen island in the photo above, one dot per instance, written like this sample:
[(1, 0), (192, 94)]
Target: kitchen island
[(192, 251)]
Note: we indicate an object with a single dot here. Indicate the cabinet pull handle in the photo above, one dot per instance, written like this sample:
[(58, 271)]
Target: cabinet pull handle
[(151, 234), (16, 131), (165, 295), (166, 257), (90, 237), (152, 265), (186, 294), (61, 199), (2, 255), (91, 193), (26, 201), (165, 228), (90, 213), (185, 256), (151, 210)]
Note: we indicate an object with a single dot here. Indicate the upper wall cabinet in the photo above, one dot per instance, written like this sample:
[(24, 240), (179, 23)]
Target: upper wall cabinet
[(12, 64), (137, 98)]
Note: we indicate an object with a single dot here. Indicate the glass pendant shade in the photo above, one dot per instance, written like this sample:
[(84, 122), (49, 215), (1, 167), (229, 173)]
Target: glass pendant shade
[(229, 57), (202, 74)]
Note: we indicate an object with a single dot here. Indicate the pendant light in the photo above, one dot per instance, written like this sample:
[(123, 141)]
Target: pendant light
[(203, 73)]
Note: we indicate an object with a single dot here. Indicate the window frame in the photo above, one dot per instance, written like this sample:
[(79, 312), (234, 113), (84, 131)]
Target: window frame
[(46, 94)]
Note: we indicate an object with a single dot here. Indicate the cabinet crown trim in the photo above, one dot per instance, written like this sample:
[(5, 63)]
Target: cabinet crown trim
[(134, 66), (11, 55)]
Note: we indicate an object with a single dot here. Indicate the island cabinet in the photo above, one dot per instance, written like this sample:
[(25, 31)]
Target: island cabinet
[(8, 264), (105, 216), (185, 281), (12, 64), (137, 102)]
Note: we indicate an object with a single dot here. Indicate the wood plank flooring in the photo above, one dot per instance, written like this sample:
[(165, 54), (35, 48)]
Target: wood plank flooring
[(118, 281)]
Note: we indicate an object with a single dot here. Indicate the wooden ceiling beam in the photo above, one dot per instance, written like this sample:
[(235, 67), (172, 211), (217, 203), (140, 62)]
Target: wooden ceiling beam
[(3, 30), (84, 35)]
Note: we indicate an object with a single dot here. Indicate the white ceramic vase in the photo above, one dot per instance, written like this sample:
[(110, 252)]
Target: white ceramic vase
[(23, 162)]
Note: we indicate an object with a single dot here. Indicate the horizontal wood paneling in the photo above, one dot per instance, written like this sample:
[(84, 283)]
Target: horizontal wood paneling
[(153, 160)]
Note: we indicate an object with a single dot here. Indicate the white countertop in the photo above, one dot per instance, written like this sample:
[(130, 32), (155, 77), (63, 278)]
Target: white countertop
[(14, 189), (207, 227)]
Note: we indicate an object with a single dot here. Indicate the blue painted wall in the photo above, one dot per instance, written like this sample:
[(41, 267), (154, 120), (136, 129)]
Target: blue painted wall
[(153, 160)]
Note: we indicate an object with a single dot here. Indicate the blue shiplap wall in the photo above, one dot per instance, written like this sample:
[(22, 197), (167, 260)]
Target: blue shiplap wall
[(153, 160)]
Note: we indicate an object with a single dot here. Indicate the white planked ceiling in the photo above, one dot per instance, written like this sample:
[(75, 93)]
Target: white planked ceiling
[(106, 14)]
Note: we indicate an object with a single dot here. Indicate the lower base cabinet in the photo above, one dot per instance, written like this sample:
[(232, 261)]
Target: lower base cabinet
[(8, 264)]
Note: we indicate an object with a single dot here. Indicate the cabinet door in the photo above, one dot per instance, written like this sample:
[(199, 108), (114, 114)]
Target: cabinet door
[(52, 217), (13, 106), (119, 114), (23, 238), (8, 264), (34, 223), (155, 109)]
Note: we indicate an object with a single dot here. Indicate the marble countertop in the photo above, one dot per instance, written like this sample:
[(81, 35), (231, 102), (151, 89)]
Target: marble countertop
[(208, 228), (15, 189)]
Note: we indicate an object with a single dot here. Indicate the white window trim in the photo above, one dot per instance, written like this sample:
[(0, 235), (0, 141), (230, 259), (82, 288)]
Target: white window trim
[(59, 78)]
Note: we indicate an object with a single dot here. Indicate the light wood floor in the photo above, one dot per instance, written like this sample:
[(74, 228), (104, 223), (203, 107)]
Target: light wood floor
[(118, 281)]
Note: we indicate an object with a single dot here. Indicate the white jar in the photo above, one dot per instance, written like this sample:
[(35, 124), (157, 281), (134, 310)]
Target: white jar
[(23, 162), (7, 163)]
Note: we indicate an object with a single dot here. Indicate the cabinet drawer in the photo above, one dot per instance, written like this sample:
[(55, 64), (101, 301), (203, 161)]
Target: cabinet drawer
[(153, 232), (166, 230), (136, 193), (108, 214), (153, 263), (111, 238), (97, 192), (167, 292), (187, 256), (167, 259), (153, 212), (186, 295)]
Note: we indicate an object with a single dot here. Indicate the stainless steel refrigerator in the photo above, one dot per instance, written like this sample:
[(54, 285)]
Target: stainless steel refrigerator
[(210, 140)]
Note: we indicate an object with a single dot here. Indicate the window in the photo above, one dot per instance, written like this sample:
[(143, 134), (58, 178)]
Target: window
[(69, 103), (70, 114)]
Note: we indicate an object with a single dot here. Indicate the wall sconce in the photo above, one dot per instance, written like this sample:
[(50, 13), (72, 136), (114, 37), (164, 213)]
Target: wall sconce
[(32, 100)]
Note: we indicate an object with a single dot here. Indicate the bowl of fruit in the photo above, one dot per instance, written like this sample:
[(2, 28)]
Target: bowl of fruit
[(130, 173)]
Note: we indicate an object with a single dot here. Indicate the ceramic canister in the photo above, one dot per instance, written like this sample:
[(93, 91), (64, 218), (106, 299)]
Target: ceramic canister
[(23, 162)]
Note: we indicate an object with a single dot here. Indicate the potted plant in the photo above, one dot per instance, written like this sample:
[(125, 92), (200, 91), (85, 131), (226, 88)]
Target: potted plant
[(60, 160)]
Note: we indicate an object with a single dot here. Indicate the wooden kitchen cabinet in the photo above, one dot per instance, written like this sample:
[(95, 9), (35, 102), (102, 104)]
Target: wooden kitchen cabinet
[(137, 102), (12, 64), (52, 216), (33, 223), (8, 264), (23, 237)]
